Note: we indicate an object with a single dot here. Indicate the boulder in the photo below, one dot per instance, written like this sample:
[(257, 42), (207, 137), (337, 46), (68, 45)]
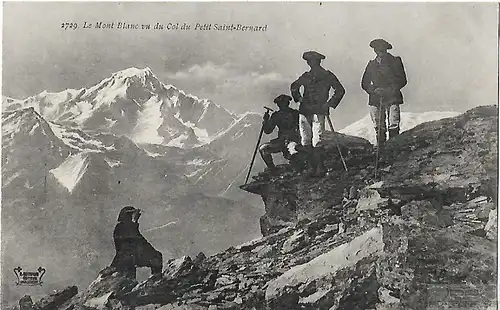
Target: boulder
[(369, 198), (331, 266), (294, 242), (56, 299)]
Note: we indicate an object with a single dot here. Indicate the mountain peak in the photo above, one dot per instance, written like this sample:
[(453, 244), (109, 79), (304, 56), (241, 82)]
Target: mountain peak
[(134, 103), (28, 113), (133, 71), (25, 120), (25, 125)]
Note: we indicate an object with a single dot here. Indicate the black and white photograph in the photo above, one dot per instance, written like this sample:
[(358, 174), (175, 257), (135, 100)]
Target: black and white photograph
[(249, 155)]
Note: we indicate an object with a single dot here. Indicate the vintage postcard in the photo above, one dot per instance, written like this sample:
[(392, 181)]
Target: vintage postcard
[(249, 155)]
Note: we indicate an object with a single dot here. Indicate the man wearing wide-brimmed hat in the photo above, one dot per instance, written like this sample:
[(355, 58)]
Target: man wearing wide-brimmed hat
[(132, 249), (383, 79), (314, 105), (287, 121)]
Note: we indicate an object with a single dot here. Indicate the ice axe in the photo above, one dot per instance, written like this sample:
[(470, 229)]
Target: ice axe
[(377, 155), (335, 140), (257, 146)]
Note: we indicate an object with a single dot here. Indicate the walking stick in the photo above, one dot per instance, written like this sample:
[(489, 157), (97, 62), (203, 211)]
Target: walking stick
[(257, 146), (335, 141), (378, 137)]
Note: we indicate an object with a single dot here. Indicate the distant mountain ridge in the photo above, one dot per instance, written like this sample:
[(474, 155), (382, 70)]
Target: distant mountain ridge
[(133, 103)]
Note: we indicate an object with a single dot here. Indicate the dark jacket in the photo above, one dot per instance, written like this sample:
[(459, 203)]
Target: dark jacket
[(389, 74), (287, 121), (316, 92), (127, 237), (132, 249)]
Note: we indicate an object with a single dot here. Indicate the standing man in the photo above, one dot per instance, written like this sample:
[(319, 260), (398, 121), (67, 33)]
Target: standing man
[(314, 105), (287, 121), (383, 79)]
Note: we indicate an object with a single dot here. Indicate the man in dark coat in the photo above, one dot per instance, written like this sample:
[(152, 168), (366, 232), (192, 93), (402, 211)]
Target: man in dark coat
[(314, 105), (287, 121), (132, 249), (383, 79)]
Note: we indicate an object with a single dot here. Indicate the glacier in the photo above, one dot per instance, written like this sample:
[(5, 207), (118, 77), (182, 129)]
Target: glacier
[(69, 173)]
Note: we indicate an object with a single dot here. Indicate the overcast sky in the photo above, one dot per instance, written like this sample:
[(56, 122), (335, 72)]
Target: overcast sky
[(449, 49)]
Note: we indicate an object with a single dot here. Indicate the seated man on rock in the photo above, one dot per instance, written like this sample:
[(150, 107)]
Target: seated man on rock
[(132, 249), (287, 121)]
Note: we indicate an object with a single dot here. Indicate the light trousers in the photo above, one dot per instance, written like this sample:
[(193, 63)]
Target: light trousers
[(311, 128), (387, 113)]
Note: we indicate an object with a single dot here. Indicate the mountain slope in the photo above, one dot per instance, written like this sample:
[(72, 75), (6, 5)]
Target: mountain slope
[(235, 147), (219, 167), (419, 237), (29, 147)]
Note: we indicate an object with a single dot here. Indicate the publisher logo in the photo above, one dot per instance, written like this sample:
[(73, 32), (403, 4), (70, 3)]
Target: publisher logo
[(29, 278)]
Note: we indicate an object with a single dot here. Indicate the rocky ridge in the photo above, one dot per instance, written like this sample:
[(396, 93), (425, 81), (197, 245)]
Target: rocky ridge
[(420, 236)]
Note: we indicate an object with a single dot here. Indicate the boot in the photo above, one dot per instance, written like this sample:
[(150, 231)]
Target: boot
[(320, 165), (268, 159), (393, 132)]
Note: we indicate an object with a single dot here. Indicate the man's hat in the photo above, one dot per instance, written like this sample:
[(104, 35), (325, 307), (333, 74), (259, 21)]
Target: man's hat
[(126, 213), (380, 44), (282, 99), (312, 55)]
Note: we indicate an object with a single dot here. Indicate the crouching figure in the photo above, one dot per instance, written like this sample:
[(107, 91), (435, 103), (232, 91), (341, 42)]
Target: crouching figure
[(287, 121), (132, 249)]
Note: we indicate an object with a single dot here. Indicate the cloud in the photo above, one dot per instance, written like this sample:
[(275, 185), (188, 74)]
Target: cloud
[(224, 75), (259, 78), (228, 84), (209, 70)]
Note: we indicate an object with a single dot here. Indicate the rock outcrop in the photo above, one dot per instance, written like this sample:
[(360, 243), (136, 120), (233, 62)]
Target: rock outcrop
[(420, 236), (49, 302)]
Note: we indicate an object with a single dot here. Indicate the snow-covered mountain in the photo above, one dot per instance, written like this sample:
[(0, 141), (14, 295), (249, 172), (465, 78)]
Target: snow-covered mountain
[(135, 104), (219, 167), (364, 127), (208, 145)]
